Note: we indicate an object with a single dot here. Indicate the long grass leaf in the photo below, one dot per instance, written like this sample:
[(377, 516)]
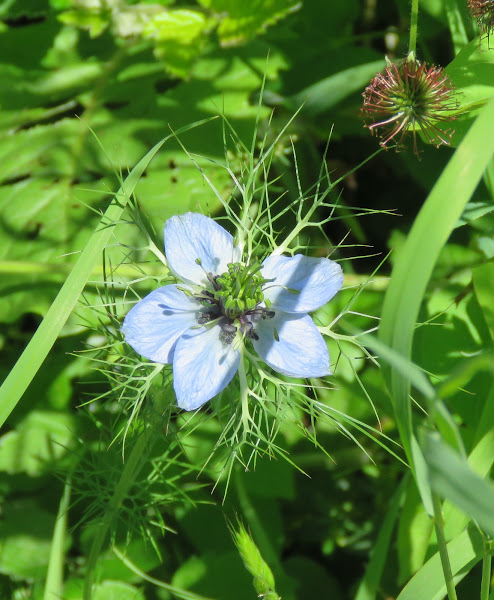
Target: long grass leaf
[(416, 260), (428, 584)]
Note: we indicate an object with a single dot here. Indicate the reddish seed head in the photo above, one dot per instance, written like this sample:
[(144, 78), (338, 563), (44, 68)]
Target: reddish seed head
[(407, 96), (483, 12)]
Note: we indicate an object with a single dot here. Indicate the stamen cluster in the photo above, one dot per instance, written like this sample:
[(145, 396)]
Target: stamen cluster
[(234, 302), (408, 96), (239, 289)]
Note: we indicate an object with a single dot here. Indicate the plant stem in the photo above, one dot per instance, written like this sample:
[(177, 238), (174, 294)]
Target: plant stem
[(244, 394), (486, 572), (414, 17), (443, 550)]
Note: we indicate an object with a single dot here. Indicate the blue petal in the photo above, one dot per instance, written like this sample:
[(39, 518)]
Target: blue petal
[(193, 236), (316, 279), (202, 366), (300, 350), (153, 326)]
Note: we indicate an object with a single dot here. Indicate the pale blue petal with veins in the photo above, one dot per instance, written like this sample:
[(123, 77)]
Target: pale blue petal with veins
[(315, 279)]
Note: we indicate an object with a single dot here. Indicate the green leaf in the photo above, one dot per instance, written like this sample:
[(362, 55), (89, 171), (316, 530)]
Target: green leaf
[(414, 532), (107, 590), (472, 73), (25, 539), (241, 21), (428, 584), (480, 461), (179, 36), (93, 21), (216, 575), (456, 24), (369, 585), (323, 95), (55, 574), (46, 226), (41, 439), (453, 479), (473, 211), (14, 9), (483, 283)]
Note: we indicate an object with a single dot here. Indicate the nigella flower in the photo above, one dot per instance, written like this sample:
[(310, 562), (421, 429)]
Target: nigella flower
[(483, 12), (408, 96), (201, 324)]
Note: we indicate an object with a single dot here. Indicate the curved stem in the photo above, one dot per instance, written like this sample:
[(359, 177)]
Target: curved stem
[(443, 550), (414, 17)]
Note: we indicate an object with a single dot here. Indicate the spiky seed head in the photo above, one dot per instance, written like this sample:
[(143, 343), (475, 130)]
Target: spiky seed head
[(408, 96), (483, 12)]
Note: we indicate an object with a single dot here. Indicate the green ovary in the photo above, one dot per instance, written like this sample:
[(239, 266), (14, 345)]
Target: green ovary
[(239, 289)]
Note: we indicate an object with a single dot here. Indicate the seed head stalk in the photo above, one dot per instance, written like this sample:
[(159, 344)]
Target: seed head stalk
[(443, 549), (414, 18), (486, 571)]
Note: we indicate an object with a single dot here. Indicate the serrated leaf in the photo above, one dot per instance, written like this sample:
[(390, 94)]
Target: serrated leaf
[(241, 21), (93, 22), (179, 36)]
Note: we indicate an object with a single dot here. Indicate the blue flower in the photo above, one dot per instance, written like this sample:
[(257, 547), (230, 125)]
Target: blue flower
[(200, 325)]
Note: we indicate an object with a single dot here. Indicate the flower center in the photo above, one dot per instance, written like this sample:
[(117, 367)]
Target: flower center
[(234, 301), (239, 289)]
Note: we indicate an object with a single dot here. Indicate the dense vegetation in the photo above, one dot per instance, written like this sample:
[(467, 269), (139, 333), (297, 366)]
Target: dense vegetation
[(369, 483)]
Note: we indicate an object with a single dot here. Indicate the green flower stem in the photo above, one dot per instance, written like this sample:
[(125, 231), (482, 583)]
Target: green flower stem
[(130, 472), (443, 550), (486, 571), (244, 395), (414, 17)]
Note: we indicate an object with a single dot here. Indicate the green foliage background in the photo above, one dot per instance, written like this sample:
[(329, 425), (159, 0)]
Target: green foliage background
[(350, 523)]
